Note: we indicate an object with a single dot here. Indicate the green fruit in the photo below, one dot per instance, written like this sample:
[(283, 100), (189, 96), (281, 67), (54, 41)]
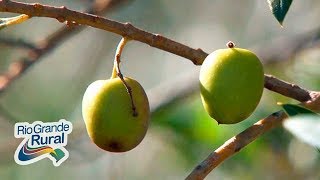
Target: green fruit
[(231, 84), (109, 116)]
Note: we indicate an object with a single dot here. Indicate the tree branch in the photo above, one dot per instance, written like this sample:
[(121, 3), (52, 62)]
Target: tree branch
[(168, 92), (236, 143), (20, 43), (286, 89), (44, 47), (63, 14)]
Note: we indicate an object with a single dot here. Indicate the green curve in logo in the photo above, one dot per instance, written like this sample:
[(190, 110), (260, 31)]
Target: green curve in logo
[(57, 154)]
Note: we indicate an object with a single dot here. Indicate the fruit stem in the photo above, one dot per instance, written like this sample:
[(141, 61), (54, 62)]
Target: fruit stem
[(230, 44), (116, 64), (116, 72)]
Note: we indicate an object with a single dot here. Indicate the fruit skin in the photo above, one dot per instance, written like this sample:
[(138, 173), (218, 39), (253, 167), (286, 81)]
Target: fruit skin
[(108, 114), (231, 84)]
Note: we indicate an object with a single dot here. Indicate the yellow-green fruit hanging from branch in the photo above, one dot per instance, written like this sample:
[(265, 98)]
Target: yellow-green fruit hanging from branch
[(109, 116), (231, 84)]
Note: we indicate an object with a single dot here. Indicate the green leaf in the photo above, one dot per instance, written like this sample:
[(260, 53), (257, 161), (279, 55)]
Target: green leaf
[(293, 110), (4, 22), (306, 128), (279, 8)]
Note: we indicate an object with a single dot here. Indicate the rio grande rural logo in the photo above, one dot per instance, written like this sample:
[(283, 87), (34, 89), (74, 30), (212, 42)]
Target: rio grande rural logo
[(42, 140)]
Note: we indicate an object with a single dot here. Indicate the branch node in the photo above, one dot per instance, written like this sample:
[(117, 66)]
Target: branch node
[(61, 19), (71, 24), (37, 6), (128, 25)]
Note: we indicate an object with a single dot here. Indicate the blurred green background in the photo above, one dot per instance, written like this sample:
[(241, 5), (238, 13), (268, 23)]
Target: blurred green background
[(181, 134)]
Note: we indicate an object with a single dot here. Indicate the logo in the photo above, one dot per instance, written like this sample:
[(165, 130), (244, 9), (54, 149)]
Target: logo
[(42, 140)]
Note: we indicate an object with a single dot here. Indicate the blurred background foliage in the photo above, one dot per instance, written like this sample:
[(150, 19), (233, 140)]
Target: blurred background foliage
[(181, 134)]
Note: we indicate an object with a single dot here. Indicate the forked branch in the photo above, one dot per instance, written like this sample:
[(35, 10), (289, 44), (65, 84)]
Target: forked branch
[(236, 143)]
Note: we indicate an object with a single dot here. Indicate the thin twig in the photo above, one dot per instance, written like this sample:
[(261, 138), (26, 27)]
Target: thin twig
[(44, 47), (19, 43), (4, 22), (236, 143)]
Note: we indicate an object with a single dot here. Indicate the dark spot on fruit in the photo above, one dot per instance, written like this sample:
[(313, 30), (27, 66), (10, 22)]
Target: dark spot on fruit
[(38, 6), (115, 146), (135, 112)]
